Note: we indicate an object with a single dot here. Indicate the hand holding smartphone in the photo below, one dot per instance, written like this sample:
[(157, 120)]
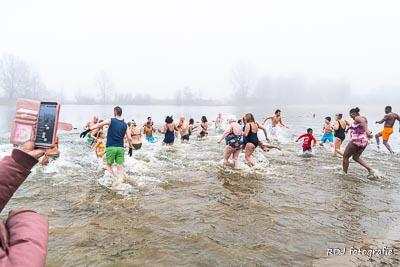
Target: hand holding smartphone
[(35, 121)]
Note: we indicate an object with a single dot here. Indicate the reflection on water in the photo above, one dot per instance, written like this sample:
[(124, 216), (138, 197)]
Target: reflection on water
[(180, 206)]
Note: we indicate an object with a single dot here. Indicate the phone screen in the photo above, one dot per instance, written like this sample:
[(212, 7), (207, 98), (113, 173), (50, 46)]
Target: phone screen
[(46, 123)]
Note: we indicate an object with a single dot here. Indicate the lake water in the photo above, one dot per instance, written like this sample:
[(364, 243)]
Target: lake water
[(179, 206)]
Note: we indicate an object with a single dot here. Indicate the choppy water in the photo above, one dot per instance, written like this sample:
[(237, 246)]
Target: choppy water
[(181, 207)]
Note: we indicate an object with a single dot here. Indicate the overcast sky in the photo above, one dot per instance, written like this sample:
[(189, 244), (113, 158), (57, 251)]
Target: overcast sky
[(159, 46)]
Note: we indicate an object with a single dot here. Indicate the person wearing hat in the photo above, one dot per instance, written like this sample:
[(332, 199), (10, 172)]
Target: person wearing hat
[(327, 130)]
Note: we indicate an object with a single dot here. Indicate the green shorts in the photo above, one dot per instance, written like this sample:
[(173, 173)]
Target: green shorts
[(115, 154)]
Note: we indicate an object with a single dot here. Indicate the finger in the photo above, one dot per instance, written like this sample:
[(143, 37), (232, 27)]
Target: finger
[(28, 146), (37, 153)]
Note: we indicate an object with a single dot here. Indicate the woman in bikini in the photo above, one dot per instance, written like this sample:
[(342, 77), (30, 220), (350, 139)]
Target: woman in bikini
[(251, 141), (169, 129), (204, 127), (340, 129), (192, 128), (233, 138), (100, 144), (359, 135), (136, 135)]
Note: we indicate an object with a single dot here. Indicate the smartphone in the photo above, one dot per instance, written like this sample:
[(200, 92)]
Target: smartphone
[(46, 128)]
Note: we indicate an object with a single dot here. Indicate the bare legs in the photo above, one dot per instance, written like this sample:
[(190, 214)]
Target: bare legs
[(385, 142), (110, 170), (338, 150), (120, 170), (231, 151), (353, 150), (249, 149)]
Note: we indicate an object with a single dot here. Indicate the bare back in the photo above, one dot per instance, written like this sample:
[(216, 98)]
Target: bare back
[(390, 119)]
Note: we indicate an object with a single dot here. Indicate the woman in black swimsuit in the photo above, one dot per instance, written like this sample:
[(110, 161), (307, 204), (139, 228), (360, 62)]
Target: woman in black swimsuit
[(251, 140), (340, 128)]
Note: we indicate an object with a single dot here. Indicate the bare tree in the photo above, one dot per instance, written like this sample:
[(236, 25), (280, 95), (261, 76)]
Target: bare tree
[(242, 79), (14, 76), (35, 87), (105, 86)]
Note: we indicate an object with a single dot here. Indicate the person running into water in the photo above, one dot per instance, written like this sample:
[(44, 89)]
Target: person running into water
[(100, 145), (117, 130), (88, 125), (95, 134), (204, 127), (148, 131), (340, 129), (307, 139), (169, 129), (191, 128), (149, 120), (276, 121), (327, 130), (218, 121), (136, 135), (251, 141), (359, 135), (233, 138), (183, 128), (389, 119)]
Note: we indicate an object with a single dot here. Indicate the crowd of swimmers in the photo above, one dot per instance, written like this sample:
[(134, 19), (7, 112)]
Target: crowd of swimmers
[(239, 135)]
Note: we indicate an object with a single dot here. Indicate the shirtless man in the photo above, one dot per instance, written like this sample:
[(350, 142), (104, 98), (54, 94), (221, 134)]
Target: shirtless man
[(218, 121), (327, 130), (148, 131), (276, 121), (88, 125), (91, 123), (389, 119), (149, 120), (183, 128)]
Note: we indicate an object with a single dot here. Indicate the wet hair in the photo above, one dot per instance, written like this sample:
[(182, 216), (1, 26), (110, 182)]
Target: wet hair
[(231, 118), (191, 121), (169, 119), (148, 123), (203, 119), (339, 115), (129, 124), (249, 117), (118, 111), (388, 108), (278, 110), (355, 110), (148, 118), (328, 118), (309, 130), (239, 121)]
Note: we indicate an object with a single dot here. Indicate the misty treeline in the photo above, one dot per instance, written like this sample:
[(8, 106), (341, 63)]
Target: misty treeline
[(19, 79), (291, 89)]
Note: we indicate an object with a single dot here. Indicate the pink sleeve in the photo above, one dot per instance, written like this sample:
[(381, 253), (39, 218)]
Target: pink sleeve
[(27, 241), (13, 171)]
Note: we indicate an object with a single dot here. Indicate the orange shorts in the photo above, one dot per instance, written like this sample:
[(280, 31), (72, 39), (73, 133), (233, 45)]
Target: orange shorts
[(386, 133)]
